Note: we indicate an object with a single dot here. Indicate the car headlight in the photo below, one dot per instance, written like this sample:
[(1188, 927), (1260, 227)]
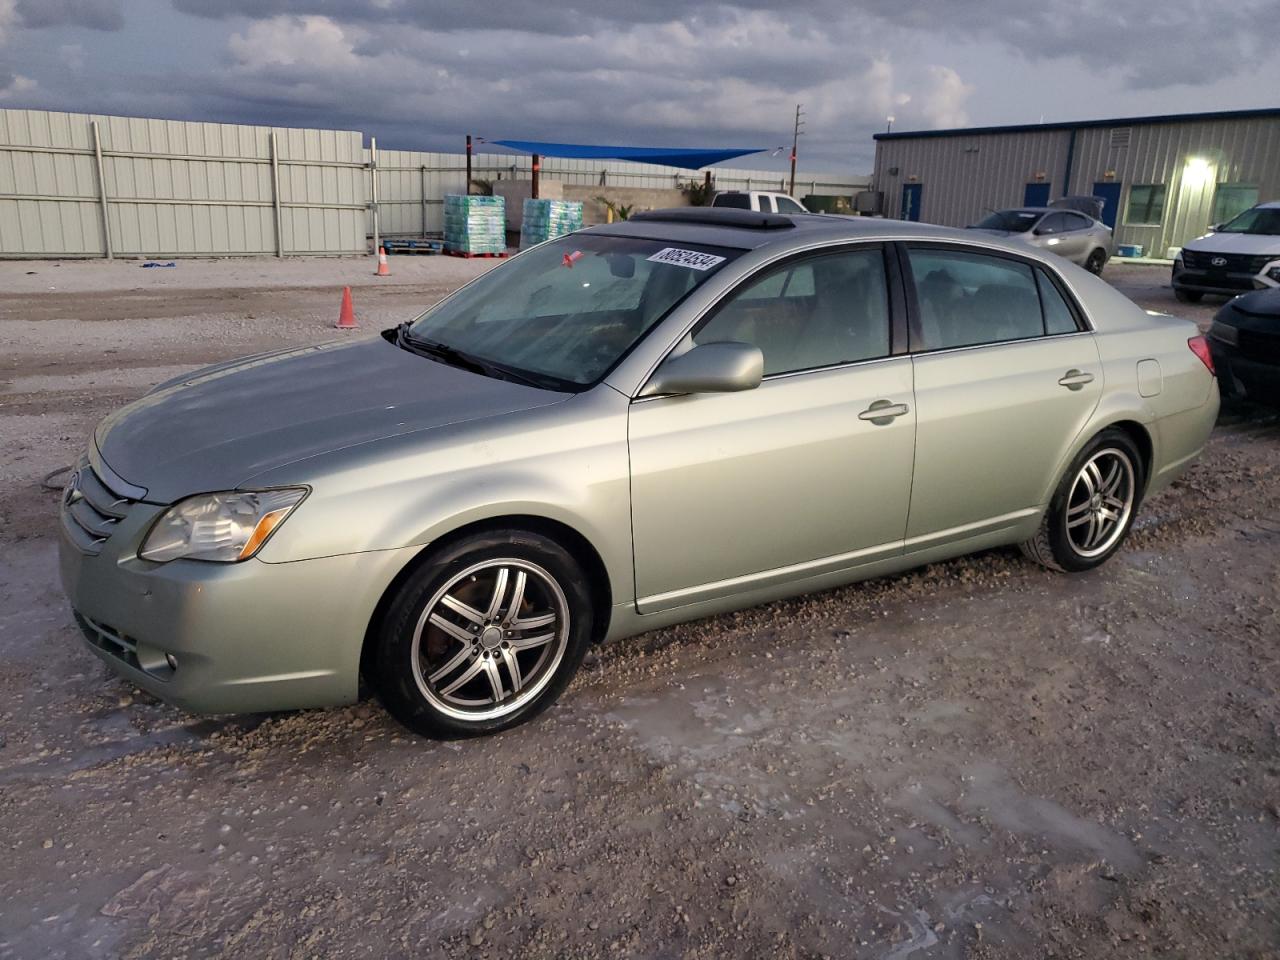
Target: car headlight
[(221, 527)]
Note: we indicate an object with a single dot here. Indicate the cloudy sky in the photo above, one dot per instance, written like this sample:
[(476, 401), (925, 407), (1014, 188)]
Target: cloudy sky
[(647, 72)]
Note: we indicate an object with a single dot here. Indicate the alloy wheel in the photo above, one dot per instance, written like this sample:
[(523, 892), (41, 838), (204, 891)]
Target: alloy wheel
[(1101, 500), (490, 639)]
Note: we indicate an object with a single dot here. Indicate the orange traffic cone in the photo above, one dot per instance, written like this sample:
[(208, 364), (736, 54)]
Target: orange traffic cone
[(383, 269), (347, 315)]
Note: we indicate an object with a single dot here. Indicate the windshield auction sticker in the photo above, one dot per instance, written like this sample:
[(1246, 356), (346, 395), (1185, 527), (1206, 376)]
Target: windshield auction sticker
[(692, 259)]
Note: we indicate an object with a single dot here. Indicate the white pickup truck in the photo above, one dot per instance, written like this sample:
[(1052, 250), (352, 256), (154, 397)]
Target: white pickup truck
[(761, 201)]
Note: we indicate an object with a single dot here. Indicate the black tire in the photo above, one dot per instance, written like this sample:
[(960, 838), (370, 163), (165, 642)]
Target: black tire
[(393, 674), (1053, 545), (1096, 261), (1187, 296)]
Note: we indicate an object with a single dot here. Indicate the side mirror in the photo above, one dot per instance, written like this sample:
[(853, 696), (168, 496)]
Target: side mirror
[(723, 367), (1215, 228)]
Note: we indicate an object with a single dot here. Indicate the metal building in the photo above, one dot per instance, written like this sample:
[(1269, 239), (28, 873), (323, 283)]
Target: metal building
[(1164, 179)]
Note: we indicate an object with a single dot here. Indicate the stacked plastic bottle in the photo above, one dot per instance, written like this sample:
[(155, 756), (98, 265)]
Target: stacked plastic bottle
[(475, 224), (548, 219)]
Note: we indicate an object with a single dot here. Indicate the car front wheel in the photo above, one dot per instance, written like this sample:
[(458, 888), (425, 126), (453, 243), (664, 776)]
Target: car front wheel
[(483, 636), (1093, 507)]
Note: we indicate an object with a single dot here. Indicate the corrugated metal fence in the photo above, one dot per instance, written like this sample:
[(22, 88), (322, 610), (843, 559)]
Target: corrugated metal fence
[(176, 188), (82, 185)]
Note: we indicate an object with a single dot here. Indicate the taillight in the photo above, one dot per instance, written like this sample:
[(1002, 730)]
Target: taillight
[(1200, 347)]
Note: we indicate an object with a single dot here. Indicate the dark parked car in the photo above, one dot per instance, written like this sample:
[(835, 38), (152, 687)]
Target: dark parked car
[(1245, 342)]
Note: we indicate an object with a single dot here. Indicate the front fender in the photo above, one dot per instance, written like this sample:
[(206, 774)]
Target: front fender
[(566, 463)]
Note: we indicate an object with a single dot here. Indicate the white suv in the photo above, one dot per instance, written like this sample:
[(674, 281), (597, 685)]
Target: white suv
[(1237, 256), (762, 201)]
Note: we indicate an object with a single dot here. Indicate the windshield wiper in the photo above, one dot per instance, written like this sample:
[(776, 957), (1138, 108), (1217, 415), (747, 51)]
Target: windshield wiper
[(444, 353)]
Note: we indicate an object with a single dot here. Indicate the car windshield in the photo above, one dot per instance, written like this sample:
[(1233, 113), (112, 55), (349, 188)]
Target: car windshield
[(1012, 221), (1260, 220), (567, 311)]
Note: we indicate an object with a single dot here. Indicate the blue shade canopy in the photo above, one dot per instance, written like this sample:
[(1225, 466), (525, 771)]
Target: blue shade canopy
[(667, 156)]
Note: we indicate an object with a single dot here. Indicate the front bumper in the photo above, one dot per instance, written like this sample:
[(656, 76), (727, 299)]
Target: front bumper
[(1220, 282), (225, 638)]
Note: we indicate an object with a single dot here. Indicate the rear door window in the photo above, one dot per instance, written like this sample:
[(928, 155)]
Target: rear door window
[(966, 299), (766, 203), (1054, 223)]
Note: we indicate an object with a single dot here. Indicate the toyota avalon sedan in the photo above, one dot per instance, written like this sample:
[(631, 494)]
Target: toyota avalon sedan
[(686, 413)]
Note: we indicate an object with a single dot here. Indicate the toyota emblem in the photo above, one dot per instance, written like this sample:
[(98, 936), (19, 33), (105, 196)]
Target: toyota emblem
[(1219, 261), (72, 491)]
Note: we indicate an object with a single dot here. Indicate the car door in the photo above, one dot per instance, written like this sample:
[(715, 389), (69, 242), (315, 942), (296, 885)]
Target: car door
[(1006, 376), (1053, 234), (809, 472), (1077, 237)]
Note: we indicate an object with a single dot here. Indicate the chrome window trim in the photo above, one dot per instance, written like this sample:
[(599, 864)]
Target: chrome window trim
[(808, 371), (999, 343)]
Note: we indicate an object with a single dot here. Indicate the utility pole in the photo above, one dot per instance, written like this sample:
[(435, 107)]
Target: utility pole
[(795, 143)]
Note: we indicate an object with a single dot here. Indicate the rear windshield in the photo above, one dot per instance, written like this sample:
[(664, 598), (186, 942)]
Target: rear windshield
[(1013, 221), (1260, 220), (570, 309), (741, 201)]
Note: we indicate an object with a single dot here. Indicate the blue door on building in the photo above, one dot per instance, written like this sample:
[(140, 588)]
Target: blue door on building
[(911, 201), (1110, 194), (1036, 195)]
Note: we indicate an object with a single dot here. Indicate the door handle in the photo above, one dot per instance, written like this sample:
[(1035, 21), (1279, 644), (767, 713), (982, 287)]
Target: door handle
[(1075, 379), (883, 412)]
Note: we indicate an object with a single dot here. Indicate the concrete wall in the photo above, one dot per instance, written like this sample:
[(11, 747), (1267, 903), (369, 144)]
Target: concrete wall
[(964, 175)]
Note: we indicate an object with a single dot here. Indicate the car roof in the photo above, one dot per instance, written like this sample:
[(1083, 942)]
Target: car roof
[(748, 230)]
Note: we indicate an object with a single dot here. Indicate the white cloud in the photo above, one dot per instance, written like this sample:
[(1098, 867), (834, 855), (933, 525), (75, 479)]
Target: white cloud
[(943, 103), (312, 42), (14, 85)]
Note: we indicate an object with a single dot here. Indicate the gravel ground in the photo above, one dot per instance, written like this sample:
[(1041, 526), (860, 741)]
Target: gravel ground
[(978, 759)]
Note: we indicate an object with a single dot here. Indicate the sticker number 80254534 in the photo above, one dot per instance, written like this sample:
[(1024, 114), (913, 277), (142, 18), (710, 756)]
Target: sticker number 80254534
[(693, 259)]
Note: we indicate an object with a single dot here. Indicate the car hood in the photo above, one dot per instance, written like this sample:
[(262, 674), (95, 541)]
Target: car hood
[(1250, 243), (1259, 310), (215, 428)]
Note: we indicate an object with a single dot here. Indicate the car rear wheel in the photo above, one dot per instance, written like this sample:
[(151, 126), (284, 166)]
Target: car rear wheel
[(1096, 261), (483, 636), (1187, 296), (1093, 507)]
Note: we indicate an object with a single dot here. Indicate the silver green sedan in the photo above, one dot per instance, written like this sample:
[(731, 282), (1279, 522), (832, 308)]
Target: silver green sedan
[(689, 412)]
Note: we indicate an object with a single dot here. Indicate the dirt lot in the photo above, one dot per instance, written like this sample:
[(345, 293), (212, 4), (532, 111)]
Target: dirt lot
[(979, 759)]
